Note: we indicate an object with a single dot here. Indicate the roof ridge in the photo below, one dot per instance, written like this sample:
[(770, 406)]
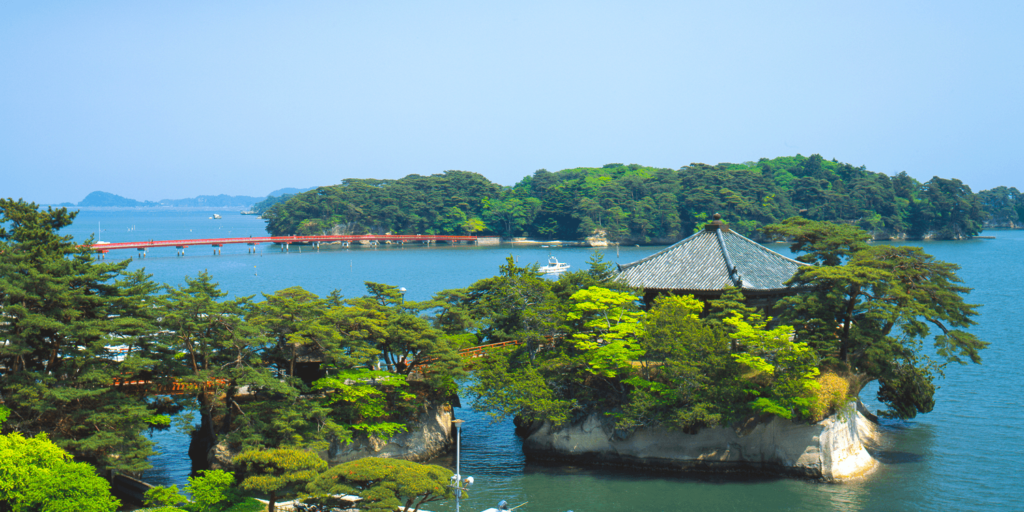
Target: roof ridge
[(717, 259), (763, 248), (667, 249)]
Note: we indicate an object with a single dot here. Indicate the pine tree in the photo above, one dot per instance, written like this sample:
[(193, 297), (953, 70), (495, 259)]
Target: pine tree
[(62, 318)]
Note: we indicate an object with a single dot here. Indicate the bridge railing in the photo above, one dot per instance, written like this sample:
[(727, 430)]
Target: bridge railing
[(172, 388), (279, 240), (480, 350)]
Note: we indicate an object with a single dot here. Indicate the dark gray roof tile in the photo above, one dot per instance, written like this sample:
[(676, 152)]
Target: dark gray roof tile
[(698, 263)]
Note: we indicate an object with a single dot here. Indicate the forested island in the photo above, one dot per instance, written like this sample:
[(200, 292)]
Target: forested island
[(95, 356), (645, 205)]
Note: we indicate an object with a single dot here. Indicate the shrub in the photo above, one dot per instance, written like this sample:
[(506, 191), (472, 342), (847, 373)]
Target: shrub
[(832, 393), (247, 505)]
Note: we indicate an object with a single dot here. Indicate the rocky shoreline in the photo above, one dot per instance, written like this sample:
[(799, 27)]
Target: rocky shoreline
[(831, 450), (429, 436)]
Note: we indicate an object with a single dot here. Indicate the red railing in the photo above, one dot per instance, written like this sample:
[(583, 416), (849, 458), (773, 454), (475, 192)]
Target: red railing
[(479, 350), (172, 388), (255, 240)]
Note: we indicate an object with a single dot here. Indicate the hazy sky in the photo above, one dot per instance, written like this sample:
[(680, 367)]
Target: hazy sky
[(158, 99)]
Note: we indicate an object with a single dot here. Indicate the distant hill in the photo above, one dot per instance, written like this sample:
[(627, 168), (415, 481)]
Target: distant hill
[(100, 198), (277, 196), (222, 200), (107, 199), (290, 191)]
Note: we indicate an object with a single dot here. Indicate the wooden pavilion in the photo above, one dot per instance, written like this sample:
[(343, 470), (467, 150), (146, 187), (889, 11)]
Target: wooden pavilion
[(710, 261)]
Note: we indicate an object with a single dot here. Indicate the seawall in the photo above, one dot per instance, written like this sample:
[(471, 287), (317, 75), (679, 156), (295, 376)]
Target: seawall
[(830, 450)]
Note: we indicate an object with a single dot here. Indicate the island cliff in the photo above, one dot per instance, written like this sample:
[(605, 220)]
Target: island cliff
[(830, 450), (428, 436)]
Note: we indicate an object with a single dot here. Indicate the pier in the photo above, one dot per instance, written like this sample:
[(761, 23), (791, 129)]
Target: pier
[(284, 241)]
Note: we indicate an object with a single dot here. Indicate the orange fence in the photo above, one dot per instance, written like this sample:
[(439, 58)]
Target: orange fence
[(281, 240), (479, 350), (173, 388)]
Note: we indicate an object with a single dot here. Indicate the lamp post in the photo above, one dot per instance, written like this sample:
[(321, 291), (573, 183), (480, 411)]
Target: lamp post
[(403, 290), (457, 482)]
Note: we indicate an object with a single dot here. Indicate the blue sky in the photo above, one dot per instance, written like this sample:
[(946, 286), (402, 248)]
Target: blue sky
[(154, 100)]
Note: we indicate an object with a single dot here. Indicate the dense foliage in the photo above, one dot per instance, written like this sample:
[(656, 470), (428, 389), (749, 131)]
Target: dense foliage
[(293, 371), (385, 484), (62, 313), (451, 203), (1005, 206), (633, 203), (37, 475), (209, 491), (282, 377), (587, 346), (871, 308), (278, 470)]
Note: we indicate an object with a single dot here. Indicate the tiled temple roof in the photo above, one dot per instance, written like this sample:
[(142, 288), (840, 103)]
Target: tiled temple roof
[(710, 261)]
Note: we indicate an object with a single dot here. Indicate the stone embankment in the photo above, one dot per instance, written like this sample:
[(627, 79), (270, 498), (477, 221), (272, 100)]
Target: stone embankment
[(830, 450)]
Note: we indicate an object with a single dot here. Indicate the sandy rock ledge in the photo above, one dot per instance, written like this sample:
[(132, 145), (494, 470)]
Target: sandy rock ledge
[(830, 450)]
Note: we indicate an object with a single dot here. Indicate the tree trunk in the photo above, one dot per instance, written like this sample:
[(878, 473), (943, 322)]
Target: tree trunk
[(291, 367)]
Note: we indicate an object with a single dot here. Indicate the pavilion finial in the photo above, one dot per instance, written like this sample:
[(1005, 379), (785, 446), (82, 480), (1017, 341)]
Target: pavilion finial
[(717, 224)]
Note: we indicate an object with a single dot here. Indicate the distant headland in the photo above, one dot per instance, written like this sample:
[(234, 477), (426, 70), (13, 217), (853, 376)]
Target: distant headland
[(106, 199)]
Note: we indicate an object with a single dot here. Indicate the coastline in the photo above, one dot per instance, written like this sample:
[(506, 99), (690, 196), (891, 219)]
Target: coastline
[(832, 450)]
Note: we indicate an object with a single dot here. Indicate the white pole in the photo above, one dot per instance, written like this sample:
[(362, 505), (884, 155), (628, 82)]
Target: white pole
[(458, 474)]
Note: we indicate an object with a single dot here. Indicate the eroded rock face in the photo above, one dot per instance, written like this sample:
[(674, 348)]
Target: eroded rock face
[(830, 450), (1001, 224), (428, 437)]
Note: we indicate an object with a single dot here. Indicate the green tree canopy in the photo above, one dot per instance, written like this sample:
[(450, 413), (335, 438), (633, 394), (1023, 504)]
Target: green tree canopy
[(871, 315), (667, 366), (37, 475), (277, 471), (64, 315), (386, 484), (209, 491), (637, 204)]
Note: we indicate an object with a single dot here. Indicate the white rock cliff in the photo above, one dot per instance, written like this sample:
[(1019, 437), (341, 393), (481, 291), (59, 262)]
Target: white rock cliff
[(830, 450)]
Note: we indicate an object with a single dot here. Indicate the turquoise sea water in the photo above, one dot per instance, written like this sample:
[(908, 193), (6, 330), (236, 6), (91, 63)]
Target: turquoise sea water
[(965, 455)]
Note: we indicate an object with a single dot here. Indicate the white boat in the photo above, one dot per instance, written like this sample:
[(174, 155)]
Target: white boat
[(554, 267)]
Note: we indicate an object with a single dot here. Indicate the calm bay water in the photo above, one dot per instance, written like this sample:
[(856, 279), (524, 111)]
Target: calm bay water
[(965, 455)]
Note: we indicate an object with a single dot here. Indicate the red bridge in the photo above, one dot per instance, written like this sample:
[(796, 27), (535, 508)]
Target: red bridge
[(283, 241)]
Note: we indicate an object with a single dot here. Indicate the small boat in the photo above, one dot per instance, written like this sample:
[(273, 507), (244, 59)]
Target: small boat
[(554, 267), (215, 216)]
